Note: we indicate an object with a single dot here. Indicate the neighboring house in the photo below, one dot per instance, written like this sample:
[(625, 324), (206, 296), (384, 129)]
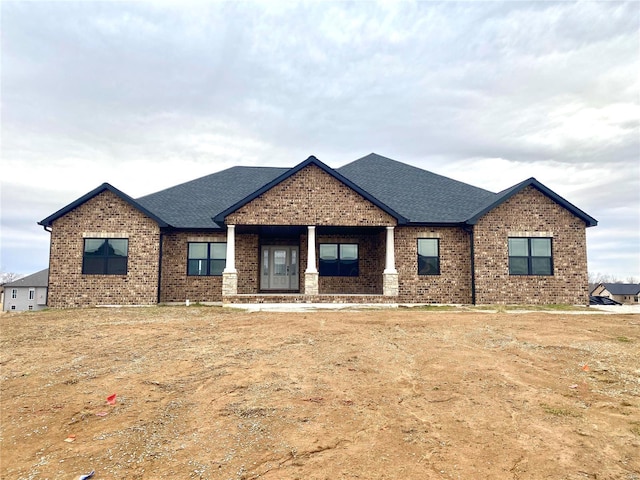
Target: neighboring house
[(373, 231), (27, 293), (620, 292)]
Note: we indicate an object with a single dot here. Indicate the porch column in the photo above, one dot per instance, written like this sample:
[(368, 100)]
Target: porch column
[(230, 274), (390, 284), (311, 273)]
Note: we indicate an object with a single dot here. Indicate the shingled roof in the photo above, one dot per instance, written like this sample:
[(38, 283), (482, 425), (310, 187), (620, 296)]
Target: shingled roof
[(411, 194), (38, 279), (622, 288), (408, 193), (193, 204), (419, 195)]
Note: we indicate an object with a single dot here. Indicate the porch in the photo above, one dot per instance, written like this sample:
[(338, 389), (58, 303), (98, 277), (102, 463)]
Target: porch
[(309, 264), (299, 298)]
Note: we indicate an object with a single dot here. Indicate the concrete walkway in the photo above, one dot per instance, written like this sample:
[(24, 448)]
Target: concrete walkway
[(308, 307)]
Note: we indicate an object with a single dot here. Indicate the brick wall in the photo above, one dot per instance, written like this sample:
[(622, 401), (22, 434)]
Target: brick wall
[(531, 213), (247, 262), (371, 254), (310, 197), (453, 285), (105, 215), (177, 286)]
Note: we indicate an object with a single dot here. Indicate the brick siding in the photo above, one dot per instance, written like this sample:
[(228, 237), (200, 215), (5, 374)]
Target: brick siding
[(103, 215), (371, 253), (310, 197), (453, 285), (176, 285), (531, 211)]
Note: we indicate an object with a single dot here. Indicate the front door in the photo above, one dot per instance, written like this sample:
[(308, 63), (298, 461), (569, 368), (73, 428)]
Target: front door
[(279, 269)]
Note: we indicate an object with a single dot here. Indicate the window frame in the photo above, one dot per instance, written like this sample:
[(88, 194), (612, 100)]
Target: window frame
[(217, 272), (343, 268), (14, 293), (531, 268), (436, 257), (108, 261), (32, 293)]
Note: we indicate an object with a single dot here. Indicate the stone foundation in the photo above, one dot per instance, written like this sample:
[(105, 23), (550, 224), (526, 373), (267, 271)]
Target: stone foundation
[(390, 286), (311, 283), (229, 284)]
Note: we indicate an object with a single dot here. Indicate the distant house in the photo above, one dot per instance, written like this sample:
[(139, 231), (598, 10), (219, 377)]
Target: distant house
[(27, 293), (372, 231), (620, 292)]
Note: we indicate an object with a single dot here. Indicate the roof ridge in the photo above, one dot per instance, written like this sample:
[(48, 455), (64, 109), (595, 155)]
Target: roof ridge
[(374, 155)]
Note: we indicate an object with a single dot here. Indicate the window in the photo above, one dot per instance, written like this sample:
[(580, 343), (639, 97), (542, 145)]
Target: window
[(105, 256), (14, 293), (339, 260), (428, 256), (30, 307), (530, 256), (32, 293), (206, 258)]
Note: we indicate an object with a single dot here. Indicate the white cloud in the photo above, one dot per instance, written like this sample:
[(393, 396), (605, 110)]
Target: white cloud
[(488, 93)]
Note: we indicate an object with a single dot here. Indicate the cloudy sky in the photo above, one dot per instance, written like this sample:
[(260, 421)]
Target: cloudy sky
[(147, 95)]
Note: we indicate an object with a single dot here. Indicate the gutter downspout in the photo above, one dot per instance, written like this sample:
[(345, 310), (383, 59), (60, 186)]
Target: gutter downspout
[(49, 229), (469, 229), (160, 267)]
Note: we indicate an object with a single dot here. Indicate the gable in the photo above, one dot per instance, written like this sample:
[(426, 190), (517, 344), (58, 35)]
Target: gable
[(104, 212), (532, 184), (104, 188), (530, 210), (310, 196)]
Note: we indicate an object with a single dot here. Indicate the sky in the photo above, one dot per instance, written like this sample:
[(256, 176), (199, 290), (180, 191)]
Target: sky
[(146, 95)]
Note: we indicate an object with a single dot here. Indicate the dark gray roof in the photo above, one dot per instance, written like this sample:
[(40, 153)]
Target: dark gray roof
[(408, 193), (38, 279), (193, 204), (419, 195), (622, 288)]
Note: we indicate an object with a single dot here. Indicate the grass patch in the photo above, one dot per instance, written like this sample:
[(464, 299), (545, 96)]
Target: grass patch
[(558, 411), (623, 339)]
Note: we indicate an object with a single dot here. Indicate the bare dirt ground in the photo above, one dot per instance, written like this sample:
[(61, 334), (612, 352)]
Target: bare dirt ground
[(209, 393)]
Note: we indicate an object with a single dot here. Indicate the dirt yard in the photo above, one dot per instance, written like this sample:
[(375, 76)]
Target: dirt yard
[(203, 392)]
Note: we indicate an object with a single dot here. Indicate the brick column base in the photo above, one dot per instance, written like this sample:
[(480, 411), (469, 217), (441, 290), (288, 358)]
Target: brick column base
[(229, 284), (390, 287), (311, 283)]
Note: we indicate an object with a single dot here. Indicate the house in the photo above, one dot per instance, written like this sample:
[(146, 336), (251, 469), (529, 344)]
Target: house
[(27, 293), (628, 293), (373, 231)]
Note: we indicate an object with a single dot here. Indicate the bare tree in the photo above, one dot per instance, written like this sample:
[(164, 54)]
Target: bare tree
[(7, 277)]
